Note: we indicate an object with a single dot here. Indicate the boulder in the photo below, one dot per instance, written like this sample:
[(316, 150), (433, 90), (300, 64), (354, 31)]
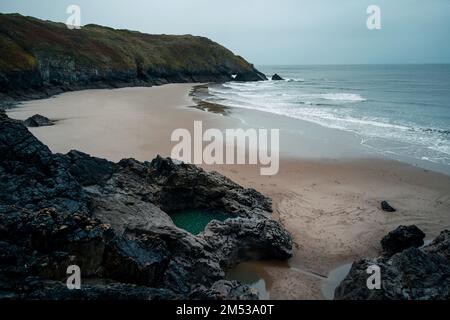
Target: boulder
[(413, 274), (385, 206), (276, 77), (253, 75), (244, 239), (38, 121), (402, 238)]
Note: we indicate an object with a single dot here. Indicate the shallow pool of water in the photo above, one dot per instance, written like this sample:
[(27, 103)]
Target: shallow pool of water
[(253, 275), (333, 280), (195, 220)]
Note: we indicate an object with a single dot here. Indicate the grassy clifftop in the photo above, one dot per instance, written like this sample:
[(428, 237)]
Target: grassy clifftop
[(42, 55)]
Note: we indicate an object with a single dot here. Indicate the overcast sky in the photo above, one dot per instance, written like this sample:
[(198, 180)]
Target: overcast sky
[(278, 31)]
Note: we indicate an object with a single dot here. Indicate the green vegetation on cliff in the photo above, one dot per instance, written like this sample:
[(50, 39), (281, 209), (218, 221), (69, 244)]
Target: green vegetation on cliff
[(37, 55)]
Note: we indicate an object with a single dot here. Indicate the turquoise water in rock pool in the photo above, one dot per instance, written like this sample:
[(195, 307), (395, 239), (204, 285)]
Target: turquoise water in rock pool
[(195, 220)]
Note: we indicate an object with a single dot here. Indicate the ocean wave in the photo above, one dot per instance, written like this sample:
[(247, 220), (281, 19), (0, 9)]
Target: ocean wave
[(438, 131), (294, 80), (338, 109), (342, 97), (257, 91), (287, 80)]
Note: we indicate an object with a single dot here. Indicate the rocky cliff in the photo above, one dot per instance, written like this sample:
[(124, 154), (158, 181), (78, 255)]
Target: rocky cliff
[(113, 221), (39, 58)]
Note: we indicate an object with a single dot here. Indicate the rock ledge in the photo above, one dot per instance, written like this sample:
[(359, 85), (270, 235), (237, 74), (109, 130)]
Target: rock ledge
[(113, 220)]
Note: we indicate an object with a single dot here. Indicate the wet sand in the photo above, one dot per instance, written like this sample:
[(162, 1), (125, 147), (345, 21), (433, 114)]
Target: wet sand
[(332, 210), (118, 123), (327, 192)]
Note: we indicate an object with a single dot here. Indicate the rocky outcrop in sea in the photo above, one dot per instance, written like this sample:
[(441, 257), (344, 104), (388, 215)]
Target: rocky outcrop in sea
[(113, 221), (276, 77)]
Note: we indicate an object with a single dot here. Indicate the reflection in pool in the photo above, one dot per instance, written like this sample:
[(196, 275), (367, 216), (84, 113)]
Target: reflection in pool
[(195, 220), (333, 280), (254, 275)]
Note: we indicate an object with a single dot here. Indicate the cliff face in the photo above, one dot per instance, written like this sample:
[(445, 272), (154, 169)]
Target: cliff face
[(43, 57)]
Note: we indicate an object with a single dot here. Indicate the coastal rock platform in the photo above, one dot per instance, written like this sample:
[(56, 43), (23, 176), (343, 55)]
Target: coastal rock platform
[(113, 221), (411, 274)]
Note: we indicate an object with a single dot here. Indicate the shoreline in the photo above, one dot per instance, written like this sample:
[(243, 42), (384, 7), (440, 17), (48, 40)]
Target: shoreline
[(311, 140), (331, 207)]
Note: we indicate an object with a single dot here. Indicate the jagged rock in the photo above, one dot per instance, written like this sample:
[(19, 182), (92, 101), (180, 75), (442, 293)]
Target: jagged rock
[(89, 170), (184, 186), (141, 261), (243, 239), (31, 177), (38, 121), (413, 274), (223, 289), (440, 245), (250, 76), (276, 77), (113, 220), (385, 206), (36, 288), (402, 238)]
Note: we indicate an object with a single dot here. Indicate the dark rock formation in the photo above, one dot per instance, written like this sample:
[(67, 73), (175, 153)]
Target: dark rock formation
[(276, 77), (43, 58), (224, 290), (184, 186), (250, 76), (440, 245), (36, 288), (113, 221), (38, 121), (385, 206), (413, 274), (402, 238), (262, 239)]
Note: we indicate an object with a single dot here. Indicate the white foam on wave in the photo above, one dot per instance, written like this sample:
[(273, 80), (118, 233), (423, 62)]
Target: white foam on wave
[(294, 80), (269, 96), (342, 97), (286, 79)]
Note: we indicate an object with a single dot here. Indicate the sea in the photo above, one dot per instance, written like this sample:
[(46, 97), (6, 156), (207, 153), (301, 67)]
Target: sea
[(400, 111)]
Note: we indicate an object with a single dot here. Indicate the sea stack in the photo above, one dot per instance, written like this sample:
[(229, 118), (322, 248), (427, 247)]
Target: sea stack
[(276, 77)]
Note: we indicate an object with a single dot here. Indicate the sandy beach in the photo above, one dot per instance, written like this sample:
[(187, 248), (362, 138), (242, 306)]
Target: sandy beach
[(329, 202)]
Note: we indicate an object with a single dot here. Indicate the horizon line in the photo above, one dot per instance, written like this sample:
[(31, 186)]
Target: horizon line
[(351, 64)]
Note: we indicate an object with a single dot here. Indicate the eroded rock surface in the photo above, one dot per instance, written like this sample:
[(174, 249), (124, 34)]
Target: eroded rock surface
[(38, 121), (276, 77), (250, 76), (412, 274), (113, 220), (386, 207), (402, 238)]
